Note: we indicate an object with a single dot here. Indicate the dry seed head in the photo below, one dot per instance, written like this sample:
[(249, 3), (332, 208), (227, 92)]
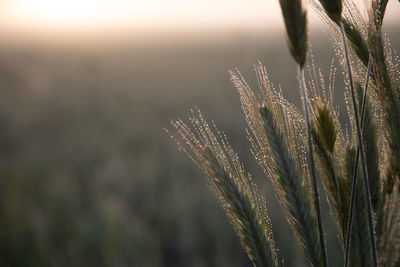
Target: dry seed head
[(296, 28)]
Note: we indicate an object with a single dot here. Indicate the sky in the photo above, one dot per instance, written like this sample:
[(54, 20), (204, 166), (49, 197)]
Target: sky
[(75, 15)]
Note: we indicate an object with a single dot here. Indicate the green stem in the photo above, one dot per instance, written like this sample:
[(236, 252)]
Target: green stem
[(355, 173), (311, 166), (361, 147)]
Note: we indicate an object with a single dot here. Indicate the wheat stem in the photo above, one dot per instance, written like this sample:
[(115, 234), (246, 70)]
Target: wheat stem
[(361, 148), (311, 166), (387, 225), (354, 181)]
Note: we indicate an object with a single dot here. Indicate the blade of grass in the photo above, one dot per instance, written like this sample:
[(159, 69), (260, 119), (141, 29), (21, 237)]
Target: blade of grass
[(360, 254), (311, 166), (361, 148), (296, 28), (354, 181)]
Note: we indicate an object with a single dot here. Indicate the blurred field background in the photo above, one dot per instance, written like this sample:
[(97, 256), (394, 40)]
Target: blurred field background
[(89, 177)]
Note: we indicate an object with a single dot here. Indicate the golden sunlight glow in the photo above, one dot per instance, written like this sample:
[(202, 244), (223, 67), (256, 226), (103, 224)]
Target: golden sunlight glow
[(101, 14), (56, 13), (53, 14), (63, 12)]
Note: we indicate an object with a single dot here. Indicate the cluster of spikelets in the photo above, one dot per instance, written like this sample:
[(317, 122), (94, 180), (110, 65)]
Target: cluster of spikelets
[(359, 167)]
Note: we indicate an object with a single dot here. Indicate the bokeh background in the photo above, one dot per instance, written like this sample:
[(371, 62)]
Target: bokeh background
[(88, 175)]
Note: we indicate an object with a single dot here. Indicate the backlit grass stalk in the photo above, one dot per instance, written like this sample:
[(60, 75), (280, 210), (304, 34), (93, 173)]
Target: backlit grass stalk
[(361, 148), (333, 9), (311, 166), (354, 180), (324, 137), (283, 141), (386, 80), (360, 250), (384, 213), (291, 191), (274, 127), (296, 28), (329, 149), (234, 188), (353, 25)]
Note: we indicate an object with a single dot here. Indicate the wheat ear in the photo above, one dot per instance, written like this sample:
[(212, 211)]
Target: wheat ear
[(234, 188), (368, 126), (312, 164), (388, 90), (335, 14), (292, 193), (361, 147), (296, 27), (324, 137), (279, 149)]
